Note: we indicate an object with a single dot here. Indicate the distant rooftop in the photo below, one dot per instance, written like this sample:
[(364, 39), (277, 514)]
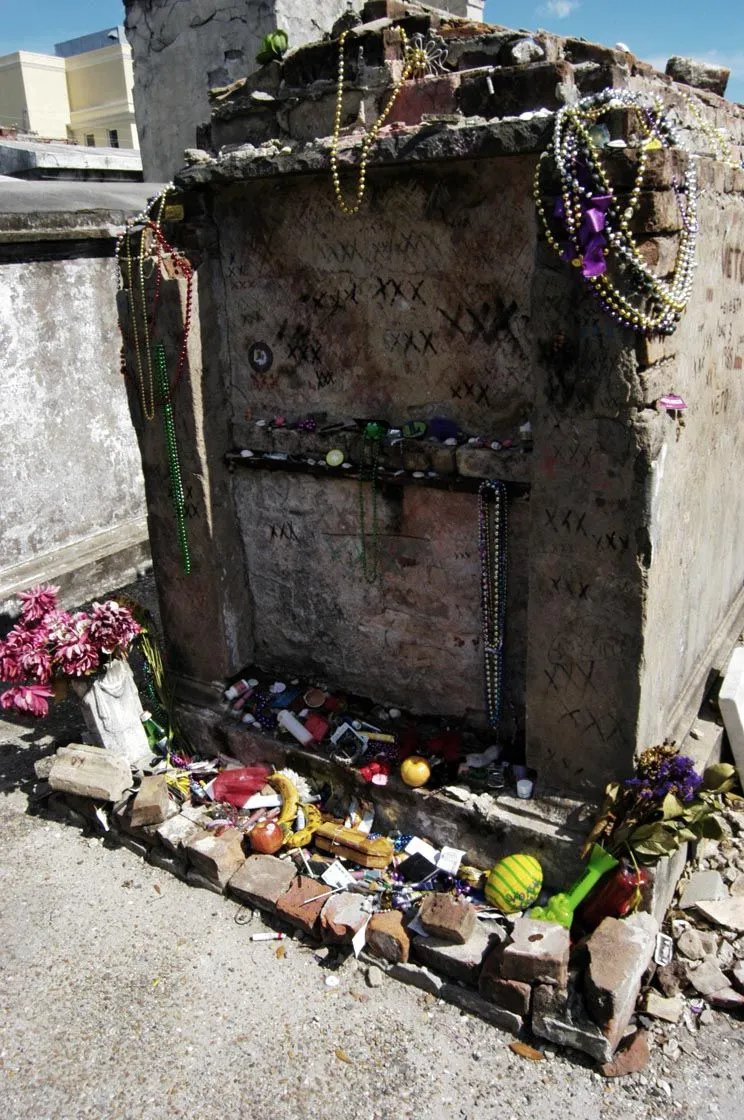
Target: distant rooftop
[(93, 42)]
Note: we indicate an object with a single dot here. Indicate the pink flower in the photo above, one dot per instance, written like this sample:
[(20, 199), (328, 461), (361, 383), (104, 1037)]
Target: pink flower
[(14, 650), (74, 654), (32, 699), (37, 664), (38, 601), (112, 628)]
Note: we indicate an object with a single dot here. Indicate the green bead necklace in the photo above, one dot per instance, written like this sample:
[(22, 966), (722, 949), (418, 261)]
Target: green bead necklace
[(174, 465)]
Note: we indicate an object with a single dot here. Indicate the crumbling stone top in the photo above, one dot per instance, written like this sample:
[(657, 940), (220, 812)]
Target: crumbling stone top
[(488, 91)]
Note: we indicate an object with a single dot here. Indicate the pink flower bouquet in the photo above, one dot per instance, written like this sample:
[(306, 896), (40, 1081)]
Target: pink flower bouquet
[(47, 643)]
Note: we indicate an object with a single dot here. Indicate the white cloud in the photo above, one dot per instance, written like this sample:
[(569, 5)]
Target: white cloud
[(561, 9)]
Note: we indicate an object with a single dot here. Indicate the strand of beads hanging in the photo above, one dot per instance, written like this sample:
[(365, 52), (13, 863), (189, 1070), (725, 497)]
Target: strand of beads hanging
[(590, 222), (370, 559), (174, 463), (416, 62), (152, 245), (492, 546)]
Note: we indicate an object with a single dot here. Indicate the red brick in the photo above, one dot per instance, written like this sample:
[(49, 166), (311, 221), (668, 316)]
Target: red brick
[(294, 907), (452, 919), (387, 938)]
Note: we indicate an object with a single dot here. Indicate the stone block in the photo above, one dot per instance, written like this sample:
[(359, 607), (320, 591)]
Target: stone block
[(387, 938), (670, 1010), (477, 462), (703, 886), (701, 75), (42, 766), (294, 905), (697, 944), (90, 772), (217, 858), (435, 95), (342, 916), (516, 89), (562, 1018), (731, 703), (152, 803), (538, 952), (417, 977), (195, 879), (657, 212), (262, 880), (196, 813), (629, 1059), (169, 862), (727, 913), (468, 1000), (619, 952), (458, 962), (447, 917), (176, 832), (121, 821), (509, 994)]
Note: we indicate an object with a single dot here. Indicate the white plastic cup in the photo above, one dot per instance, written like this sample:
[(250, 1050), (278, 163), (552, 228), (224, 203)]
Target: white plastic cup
[(524, 788)]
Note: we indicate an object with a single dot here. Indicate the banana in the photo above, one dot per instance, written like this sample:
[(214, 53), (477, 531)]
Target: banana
[(313, 821), (289, 794)]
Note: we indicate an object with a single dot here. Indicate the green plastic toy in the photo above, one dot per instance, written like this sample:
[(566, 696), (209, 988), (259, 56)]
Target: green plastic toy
[(560, 908)]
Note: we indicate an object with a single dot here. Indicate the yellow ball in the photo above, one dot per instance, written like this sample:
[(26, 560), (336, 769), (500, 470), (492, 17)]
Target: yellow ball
[(514, 883), (415, 771)]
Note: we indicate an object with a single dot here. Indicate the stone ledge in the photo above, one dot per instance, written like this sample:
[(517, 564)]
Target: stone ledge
[(549, 827), (431, 142)]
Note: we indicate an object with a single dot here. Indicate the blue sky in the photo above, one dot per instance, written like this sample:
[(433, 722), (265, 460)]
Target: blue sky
[(653, 29)]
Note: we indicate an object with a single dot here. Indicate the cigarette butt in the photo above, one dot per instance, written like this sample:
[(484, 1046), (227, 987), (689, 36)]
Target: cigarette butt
[(268, 936)]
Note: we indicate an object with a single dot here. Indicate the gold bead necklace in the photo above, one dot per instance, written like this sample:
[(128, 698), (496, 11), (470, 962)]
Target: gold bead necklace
[(415, 63)]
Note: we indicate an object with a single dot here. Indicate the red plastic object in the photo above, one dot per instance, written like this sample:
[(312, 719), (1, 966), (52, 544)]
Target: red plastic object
[(613, 897), (447, 745), (236, 786), (317, 726)]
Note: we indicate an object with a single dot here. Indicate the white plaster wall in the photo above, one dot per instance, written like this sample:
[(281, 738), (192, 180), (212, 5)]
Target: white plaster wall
[(70, 465)]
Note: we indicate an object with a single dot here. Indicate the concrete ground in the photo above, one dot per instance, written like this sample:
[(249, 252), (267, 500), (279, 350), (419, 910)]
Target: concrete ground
[(127, 995)]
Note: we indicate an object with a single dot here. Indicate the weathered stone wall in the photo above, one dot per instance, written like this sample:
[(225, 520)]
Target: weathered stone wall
[(636, 551), (399, 315), (73, 502), (695, 497), (440, 299)]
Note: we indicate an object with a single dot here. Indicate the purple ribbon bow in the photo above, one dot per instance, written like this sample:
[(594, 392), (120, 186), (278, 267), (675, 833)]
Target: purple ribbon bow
[(592, 240)]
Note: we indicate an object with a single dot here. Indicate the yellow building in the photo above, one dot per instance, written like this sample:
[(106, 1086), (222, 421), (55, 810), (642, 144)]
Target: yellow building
[(83, 93), (33, 94)]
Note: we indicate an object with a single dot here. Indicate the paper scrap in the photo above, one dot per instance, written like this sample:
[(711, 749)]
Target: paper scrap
[(359, 939), (417, 846), (337, 876), (449, 860)]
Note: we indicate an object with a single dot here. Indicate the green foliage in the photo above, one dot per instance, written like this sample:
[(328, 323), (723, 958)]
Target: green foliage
[(651, 829), (273, 47)]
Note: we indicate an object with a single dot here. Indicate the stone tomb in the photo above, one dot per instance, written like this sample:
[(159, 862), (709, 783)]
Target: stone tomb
[(440, 299)]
